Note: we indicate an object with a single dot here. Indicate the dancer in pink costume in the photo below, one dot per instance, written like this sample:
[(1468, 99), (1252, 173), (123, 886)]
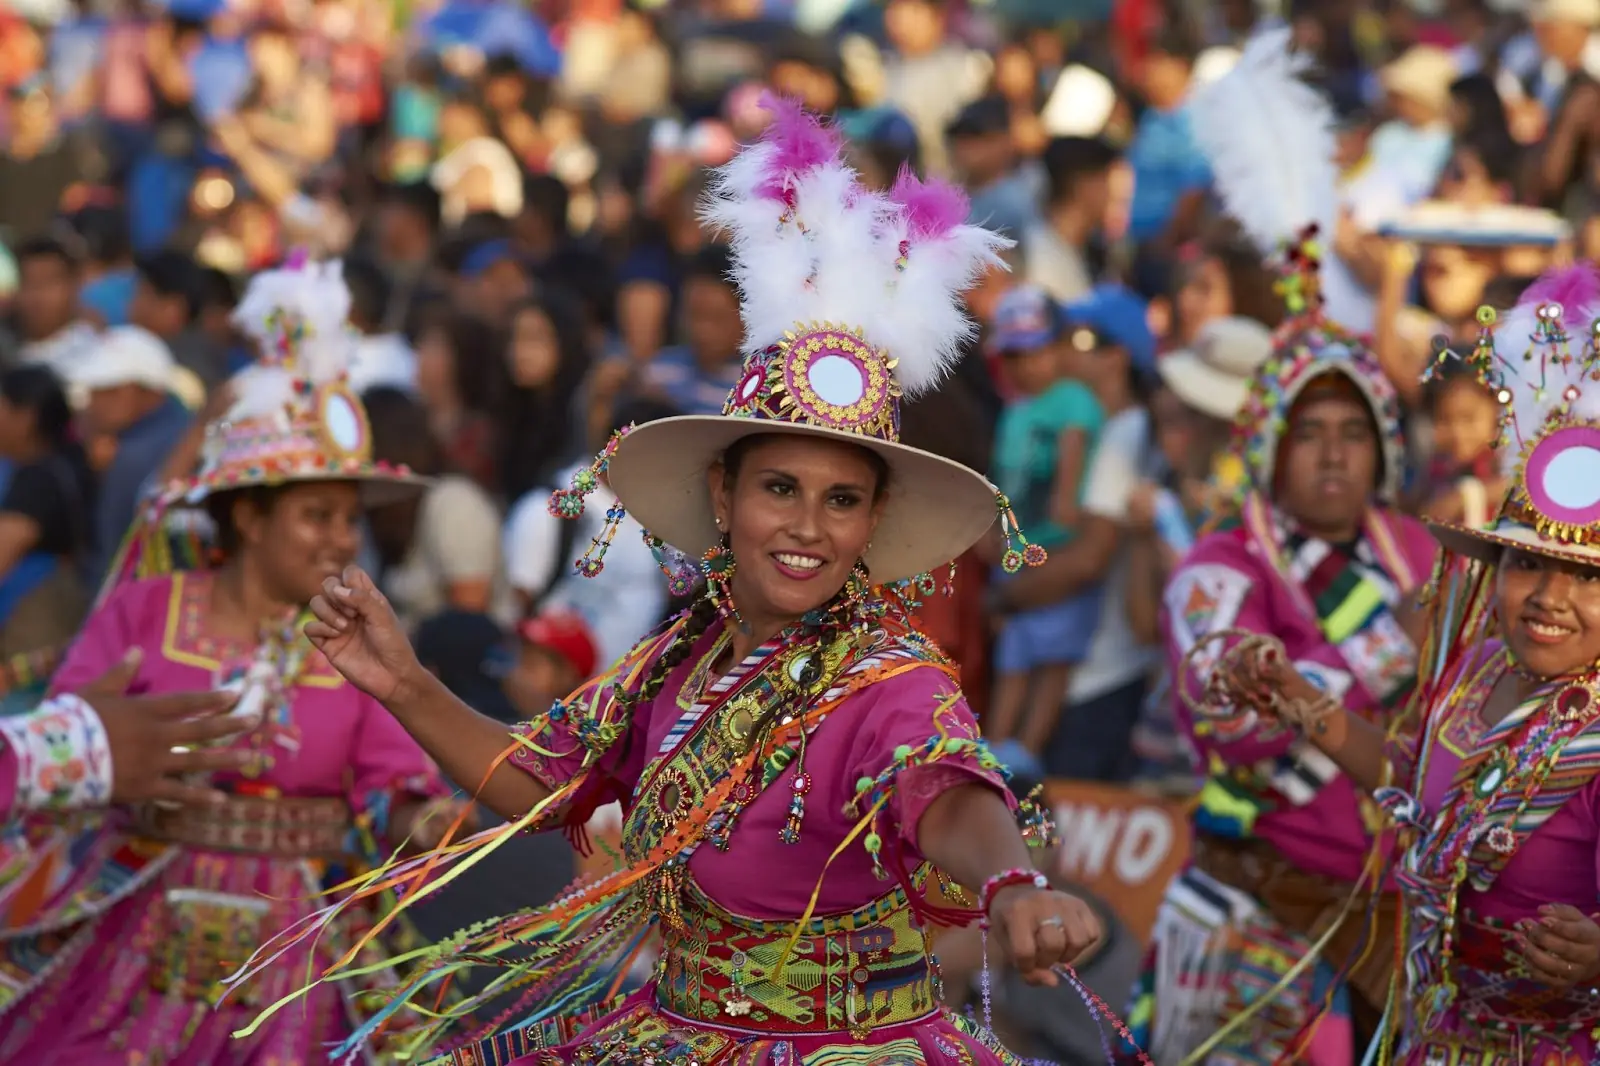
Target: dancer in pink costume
[(795, 760), (120, 930)]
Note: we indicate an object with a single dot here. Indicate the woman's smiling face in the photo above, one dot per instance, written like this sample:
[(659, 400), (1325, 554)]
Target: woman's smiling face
[(1549, 612), (799, 511)]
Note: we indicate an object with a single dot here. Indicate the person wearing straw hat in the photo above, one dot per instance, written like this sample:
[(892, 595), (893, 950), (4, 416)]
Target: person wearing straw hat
[(1259, 954), (1497, 796), (143, 911), (792, 719)]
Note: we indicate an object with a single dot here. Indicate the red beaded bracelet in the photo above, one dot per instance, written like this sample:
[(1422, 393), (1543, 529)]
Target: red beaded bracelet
[(1006, 879)]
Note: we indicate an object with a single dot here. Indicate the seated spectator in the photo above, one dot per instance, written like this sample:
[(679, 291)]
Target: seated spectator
[(45, 321), (134, 414), (697, 376), (1060, 248), (555, 654), (454, 383), (44, 514), (383, 356), (983, 155), (1462, 482), (167, 301), (439, 550), (546, 360)]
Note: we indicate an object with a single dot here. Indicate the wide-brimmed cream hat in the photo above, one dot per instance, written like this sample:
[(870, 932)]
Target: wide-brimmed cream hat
[(1424, 73), (1543, 369), (850, 300), (1213, 376)]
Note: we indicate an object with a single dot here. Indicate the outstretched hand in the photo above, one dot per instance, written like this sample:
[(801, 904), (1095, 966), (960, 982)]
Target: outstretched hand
[(1040, 929), (1562, 947), (356, 628), (156, 741)]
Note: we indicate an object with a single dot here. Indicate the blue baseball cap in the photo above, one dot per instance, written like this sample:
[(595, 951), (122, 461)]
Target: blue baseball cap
[(1118, 317), (486, 255), (1025, 318)]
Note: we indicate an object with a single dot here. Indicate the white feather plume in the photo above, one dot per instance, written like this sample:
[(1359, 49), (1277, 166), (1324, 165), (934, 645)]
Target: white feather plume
[(299, 321), (1269, 138), (811, 245)]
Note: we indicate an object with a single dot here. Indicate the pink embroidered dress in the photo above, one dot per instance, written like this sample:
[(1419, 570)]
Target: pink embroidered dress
[(120, 927), (860, 972), (1503, 819), (770, 839), (1471, 1002)]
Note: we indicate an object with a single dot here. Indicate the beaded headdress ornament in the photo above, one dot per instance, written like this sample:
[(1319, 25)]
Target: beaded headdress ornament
[(1541, 362), (851, 301), (1269, 137)]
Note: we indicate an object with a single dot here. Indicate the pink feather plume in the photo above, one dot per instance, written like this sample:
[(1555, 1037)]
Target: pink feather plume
[(1575, 288), (799, 140), (933, 208)]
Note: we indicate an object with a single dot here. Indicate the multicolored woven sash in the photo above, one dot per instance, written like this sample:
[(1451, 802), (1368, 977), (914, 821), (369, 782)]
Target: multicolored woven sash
[(1352, 595), (850, 973)]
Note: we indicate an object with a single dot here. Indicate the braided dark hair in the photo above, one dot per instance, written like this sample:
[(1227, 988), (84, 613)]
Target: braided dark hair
[(700, 615)]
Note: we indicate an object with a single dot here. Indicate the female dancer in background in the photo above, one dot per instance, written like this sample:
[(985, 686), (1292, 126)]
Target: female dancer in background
[(1286, 863), (119, 933)]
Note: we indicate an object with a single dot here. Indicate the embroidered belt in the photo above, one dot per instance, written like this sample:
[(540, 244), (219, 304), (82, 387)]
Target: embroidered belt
[(287, 828), (850, 973), (1495, 989)]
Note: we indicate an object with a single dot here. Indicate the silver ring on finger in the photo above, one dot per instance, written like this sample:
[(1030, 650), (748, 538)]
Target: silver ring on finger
[(1052, 922), (182, 749)]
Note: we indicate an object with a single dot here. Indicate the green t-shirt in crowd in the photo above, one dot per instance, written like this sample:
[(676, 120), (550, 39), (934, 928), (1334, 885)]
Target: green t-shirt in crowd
[(1026, 449)]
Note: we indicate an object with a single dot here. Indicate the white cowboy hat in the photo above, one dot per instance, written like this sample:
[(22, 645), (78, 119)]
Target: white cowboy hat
[(1213, 377)]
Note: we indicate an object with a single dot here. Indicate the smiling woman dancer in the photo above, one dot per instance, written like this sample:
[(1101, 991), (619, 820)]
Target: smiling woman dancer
[(791, 755), (1499, 799)]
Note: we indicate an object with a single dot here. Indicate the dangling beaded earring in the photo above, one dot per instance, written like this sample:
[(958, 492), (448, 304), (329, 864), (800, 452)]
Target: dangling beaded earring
[(717, 567), (1015, 557), (569, 503), (679, 569)]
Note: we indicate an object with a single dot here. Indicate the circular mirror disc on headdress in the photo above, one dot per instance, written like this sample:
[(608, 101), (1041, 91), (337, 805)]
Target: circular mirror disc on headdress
[(837, 380), (1562, 475), (344, 423)]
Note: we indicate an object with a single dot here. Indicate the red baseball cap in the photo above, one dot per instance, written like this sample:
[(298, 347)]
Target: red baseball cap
[(565, 634)]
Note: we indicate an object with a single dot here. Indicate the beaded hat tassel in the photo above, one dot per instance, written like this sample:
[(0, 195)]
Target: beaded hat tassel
[(569, 503), (1019, 552)]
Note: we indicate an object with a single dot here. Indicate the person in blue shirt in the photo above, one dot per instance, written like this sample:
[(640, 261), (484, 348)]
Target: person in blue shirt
[(1043, 444), (1170, 172)]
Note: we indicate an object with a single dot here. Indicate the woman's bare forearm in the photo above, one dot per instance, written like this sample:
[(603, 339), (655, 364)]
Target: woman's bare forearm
[(970, 834), (1358, 747), (466, 744)]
